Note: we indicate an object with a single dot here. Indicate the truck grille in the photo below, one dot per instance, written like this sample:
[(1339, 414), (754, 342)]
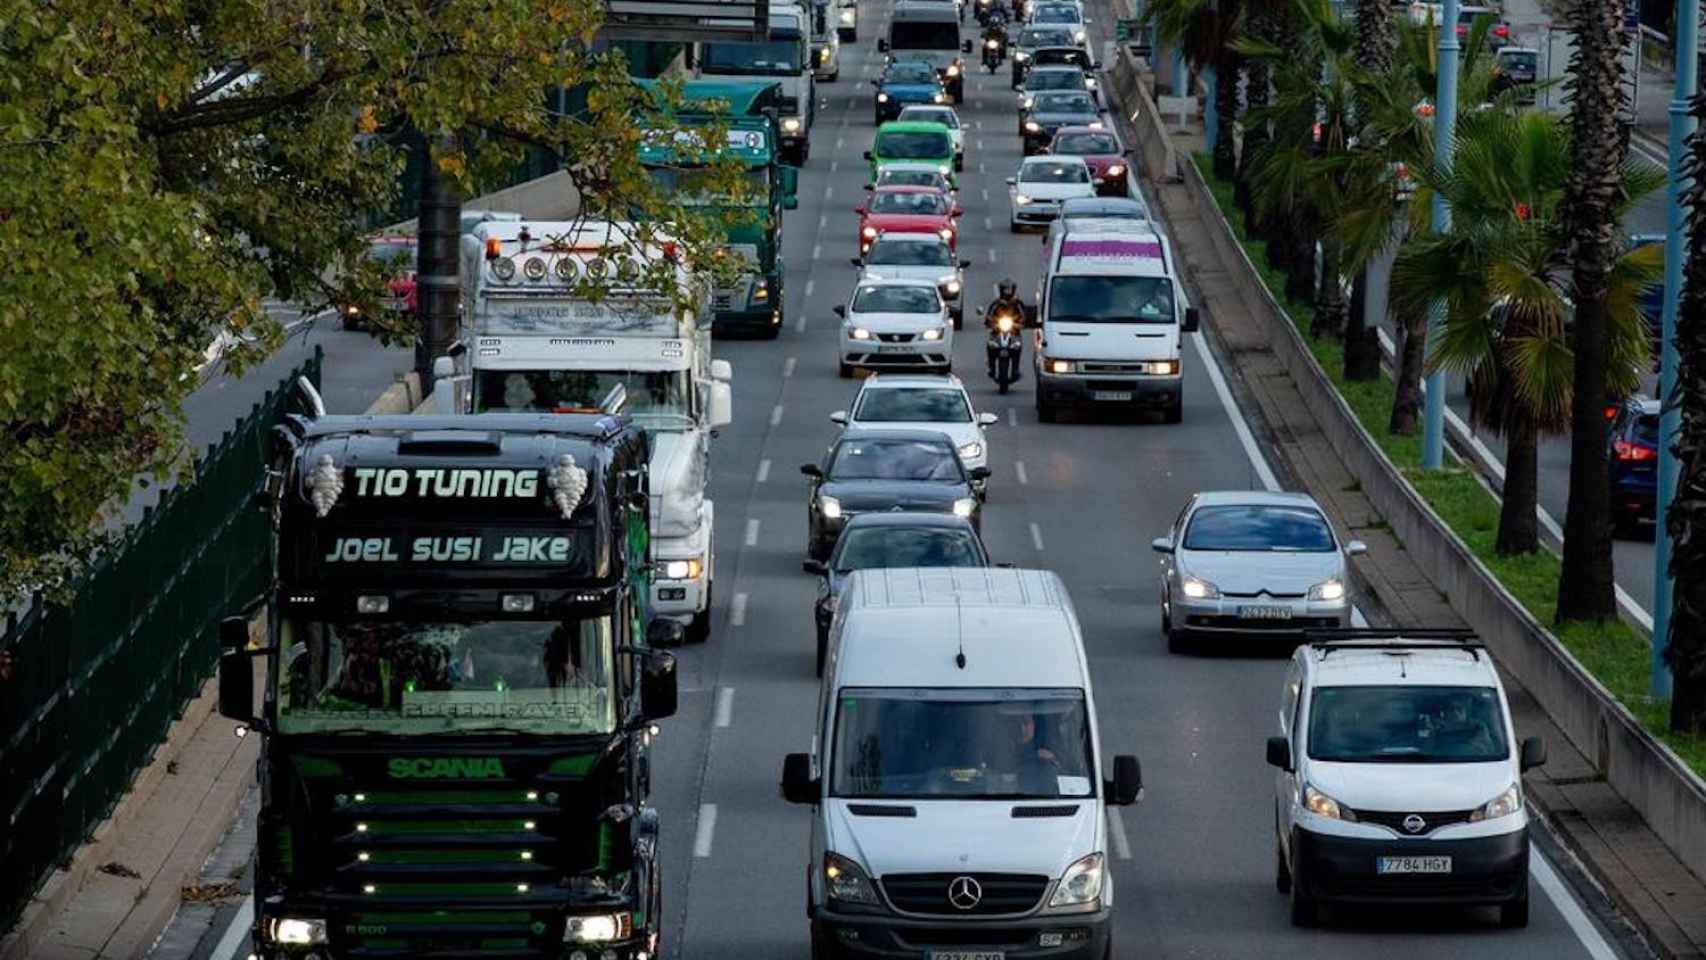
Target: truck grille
[(449, 933), (1001, 893)]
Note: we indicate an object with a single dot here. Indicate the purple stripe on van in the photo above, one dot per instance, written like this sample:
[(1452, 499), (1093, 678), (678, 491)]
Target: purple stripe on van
[(1110, 248)]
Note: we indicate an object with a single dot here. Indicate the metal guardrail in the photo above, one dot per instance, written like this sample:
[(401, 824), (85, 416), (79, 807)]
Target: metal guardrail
[(96, 684)]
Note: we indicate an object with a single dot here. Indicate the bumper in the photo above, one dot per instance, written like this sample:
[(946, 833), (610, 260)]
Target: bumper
[(1226, 616), (1113, 187), (1636, 501), (680, 599), (795, 143), (847, 936), (1484, 870), (1037, 213), (917, 353), (735, 308), (1135, 390)]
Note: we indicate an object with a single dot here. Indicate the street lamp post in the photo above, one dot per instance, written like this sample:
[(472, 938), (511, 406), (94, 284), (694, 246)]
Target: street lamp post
[(1445, 123), (1676, 247)]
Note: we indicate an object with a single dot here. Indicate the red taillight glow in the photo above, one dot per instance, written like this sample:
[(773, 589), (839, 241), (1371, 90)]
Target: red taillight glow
[(1501, 31), (1611, 411), (1633, 451)]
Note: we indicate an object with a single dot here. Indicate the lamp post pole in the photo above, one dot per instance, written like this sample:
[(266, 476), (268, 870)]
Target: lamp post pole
[(1445, 123)]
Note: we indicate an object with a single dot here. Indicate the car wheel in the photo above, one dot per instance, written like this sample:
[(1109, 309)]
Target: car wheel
[(1282, 873), (1045, 410), (846, 370), (1177, 640), (1514, 915), (1175, 411), (1013, 225), (699, 630), (822, 649), (1305, 912)]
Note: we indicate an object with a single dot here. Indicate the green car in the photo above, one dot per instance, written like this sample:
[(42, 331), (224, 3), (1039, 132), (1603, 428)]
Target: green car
[(913, 141)]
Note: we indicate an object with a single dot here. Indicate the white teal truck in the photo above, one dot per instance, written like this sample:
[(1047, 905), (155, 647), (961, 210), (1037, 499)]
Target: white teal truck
[(533, 342)]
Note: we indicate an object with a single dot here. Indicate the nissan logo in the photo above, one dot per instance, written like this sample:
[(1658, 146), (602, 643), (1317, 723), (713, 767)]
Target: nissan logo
[(964, 893), (1414, 823)]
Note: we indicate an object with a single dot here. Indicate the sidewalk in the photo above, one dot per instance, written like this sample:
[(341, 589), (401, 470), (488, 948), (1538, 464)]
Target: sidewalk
[(1654, 892)]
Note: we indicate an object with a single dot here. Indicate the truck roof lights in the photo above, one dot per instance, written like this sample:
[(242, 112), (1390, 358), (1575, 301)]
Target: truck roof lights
[(568, 268), (597, 268), (504, 269), (494, 248), (534, 268)]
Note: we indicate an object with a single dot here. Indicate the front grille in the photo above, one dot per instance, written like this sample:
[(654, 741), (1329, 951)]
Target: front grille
[(1395, 821), (980, 935), (1001, 893), (447, 933), (1420, 886), (1264, 593), (896, 337), (1128, 385), (1092, 367)]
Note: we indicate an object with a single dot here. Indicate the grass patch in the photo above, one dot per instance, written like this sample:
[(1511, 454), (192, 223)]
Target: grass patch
[(1614, 653)]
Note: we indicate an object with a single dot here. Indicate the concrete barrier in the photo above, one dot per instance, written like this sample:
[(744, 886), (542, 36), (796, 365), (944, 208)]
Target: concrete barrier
[(1131, 97)]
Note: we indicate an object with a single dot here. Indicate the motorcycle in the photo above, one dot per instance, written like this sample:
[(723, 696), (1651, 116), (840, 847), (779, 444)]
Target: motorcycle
[(991, 54), (1005, 344)]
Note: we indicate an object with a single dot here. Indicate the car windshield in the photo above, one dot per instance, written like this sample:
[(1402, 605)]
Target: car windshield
[(902, 253), (1054, 80), (1519, 61), (915, 204), (1262, 528), (912, 405), (1082, 144), (924, 35), (655, 398), (867, 459), (1063, 102), (1105, 299), (914, 143), (1045, 37), (910, 71), (1076, 58), (896, 300), (1647, 429), (1056, 13), (545, 677), (1406, 724), (884, 545), (961, 744), (911, 178), (1049, 171), (766, 57), (946, 118)]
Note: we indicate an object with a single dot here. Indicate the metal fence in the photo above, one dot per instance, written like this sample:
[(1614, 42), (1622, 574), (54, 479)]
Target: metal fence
[(96, 684)]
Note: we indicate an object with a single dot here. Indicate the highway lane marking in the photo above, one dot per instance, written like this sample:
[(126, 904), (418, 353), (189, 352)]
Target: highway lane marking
[(985, 194), (989, 224), (706, 830), (979, 144), (737, 611), (810, 283), (776, 415), (788, 364), (752, 532), (1239, 425), (991, 254), (839, 143), (763, 470), (1116, 827), (1019, 468), (834, 165), (1574, 917), (226, 949), (817, 249), (800, 324), (981, 167), (725, 706), (822, 221), (1012, 416), (828, 192), (1037, 536)]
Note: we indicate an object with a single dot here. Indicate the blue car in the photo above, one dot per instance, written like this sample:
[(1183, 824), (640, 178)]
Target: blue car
[(1633, 452), (904, 83)]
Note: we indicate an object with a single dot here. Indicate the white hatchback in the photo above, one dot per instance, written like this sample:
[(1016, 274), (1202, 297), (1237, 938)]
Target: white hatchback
[(947, 117), (895, 323), (1042, 183), (924, 402)]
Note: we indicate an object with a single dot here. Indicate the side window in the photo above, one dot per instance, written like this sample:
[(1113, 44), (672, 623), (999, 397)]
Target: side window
[(1290, 697)]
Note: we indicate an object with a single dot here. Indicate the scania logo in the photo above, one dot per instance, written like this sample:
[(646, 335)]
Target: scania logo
[(964, 893), (1414, 823), (458, 768)]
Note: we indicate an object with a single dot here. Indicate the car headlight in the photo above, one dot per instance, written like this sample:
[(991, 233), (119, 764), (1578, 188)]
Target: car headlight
[(1081, 883), (965, 506), (946, 233), (1330, 589), (296, 931), (882, 98), (1020, 199), (847, 15), (943, 169), (682, 569), (938, 98), (1322, 805), (971, 451), (1031, 126), (599, 928), (1116, 169), (829, 507), (953, 286), (1503, 805), (1021, 56), (933, 333), (953, 70), (1078, 37), (846, 882), (869, 233), (1197, 588), (1090, 83), (859, 333), (1059, 366), (790, 124)]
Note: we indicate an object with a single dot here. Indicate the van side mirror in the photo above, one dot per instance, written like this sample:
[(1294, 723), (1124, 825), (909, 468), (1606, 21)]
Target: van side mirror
[(237, 684), (1193, 319), (1162, 544), (798, 784), (811, 470), (1355, 548), (815, 566), (1126, 788), (658, 688), (1533, 753), (840, 311), (988, 419), (1279, 753), (965, 264)]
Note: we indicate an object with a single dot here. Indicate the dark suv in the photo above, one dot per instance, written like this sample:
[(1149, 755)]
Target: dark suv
[(1633, 452)]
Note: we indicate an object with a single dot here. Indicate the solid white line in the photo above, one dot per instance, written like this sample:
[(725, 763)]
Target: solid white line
[(226, 949), (1019, 468), (1239, 426), (725, 706), (788, 366), (828, 192), (775, 415), (1577, 919), (763, 470), (1116, 827), (706, 830), (752, 532), (737, 611), (1037, 536)]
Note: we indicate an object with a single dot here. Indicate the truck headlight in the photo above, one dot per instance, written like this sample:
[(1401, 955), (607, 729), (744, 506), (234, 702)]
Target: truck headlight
[(1503, 805), (599, 928), (965, 506), (829, 507), (1322, 805), (1078, 37), (845, 881), (790, 124), (1330, 589), (296, 931), (971, 451), (1094, 124), (1081, 883), (1197, 588), (682, 569)]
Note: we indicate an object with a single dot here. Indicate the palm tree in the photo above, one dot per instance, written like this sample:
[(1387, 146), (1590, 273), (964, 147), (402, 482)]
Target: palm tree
[(1261, 23), (1201, 31), (1374, 51), (1599, 149), (1507, 312)]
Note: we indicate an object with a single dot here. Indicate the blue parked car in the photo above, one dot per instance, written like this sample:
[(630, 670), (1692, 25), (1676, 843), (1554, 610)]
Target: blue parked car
[(1633, 452), (904, 83)]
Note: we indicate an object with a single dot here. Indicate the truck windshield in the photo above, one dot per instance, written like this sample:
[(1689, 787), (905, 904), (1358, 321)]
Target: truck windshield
[(1406, 724), (925, 35), (1107, 299), (543, 677), (961, 744), (680, 184), (780, 58), (654, 397)]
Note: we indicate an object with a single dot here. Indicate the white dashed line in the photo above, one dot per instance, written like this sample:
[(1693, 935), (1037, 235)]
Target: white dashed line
[(828, 192), (763, 470), (776, 415), (726, 709), (789, 364), (981, 167), (985, 194), (706, 830), (988, 223), (817, 251), (1037, 537), (800, 324), (810, 285), (1019, 468), (840, 142), (822, 221), (752, 532), (1116, 827), (991, 254), (1012, 416), (834, 165), (737, 611), (979, 144)]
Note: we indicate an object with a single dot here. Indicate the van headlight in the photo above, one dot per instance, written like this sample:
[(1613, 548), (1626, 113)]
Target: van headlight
[(1020, 199), (965, 506), (1503, 805), (846, 882), (1329, 589), (1322, 805), (1058, 366), (682, 569), (1081, 884), (829, 507), (296, 931), (1197, 588), (599, 928)]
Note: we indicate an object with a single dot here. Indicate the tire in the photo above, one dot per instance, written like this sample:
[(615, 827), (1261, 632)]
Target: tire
[(1514, 915), (846, 371), (1175, 412), (959, 320), (822, 650), (1305, 912), (834, 77), (959, 163), (699, 628), (847, 36), (1046, 412), (1282, 872), (1014, 226), (1177, 642)]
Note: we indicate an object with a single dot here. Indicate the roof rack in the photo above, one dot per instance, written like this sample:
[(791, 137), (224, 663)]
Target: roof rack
[(1397, 638)]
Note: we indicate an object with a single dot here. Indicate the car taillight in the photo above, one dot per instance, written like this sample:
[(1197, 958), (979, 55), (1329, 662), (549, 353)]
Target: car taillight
[(1501, 31), (1633, 451), (1611, 411)]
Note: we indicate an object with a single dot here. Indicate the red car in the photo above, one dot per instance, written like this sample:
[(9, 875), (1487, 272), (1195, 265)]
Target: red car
[(908, 210), (398, 255), (1102, 154)]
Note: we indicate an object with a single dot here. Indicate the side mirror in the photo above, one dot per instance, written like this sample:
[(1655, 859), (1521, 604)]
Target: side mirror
[(236, 682), (722, 406), (839, 416), (868, 156), (798, 784), (988, 419), (815, 566), (965, 46), (979, 473), (812, 470), (658, 688), (1355, 548), (1162, 544), (790, 188), (1533, 753), (856, 261), (1126, 788), (1279, 753), (722, 370), (860, 209), (664, 632), (1012, 181), (882, 45), (840, 311), (965, 264), (868, 186), (1193, 319)]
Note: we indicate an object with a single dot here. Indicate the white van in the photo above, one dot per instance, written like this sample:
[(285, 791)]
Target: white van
[(1112, 313), (956, 773)]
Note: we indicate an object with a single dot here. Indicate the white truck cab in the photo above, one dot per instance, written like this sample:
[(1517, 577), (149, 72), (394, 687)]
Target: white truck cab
[(957, 774), (1112, 314)]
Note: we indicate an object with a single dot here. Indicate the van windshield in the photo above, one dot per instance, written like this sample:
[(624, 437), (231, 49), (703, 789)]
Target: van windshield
[(924, 35), (962, 744), (1111, 299), (1406, 724)]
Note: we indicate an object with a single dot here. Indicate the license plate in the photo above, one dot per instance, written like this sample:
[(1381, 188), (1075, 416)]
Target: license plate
[(1265, 613), (1117, 396), (1388, 865), (968, 955), (898, 348)]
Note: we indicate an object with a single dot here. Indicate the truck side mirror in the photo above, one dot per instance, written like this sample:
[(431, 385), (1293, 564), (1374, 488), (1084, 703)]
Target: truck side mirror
[(1533, 753), (798, 784), (1193, 320), (722, 370), (1126, 788), (236, 671), (658, 686), (1279, 753), (722, 406), (790, 188)]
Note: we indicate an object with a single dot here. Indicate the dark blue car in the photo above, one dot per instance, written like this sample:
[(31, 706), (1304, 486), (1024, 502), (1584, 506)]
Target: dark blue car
[(1633, 452), (904, 83)]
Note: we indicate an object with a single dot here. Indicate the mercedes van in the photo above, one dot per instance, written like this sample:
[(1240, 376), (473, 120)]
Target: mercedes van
[(956, 773), (931, 32)]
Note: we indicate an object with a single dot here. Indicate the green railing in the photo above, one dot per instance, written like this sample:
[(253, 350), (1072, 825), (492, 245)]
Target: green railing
[(93, 686)]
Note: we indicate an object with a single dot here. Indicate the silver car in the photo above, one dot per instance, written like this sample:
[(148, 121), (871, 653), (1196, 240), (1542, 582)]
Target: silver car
[(1242, 562)]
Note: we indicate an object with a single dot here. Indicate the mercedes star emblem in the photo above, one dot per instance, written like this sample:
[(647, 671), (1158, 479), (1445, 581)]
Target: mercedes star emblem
[(964, 893), (1414, 823)]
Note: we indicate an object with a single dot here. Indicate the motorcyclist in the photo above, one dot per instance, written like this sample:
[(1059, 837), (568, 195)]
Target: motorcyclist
[(1006, 302), (995, 28)]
